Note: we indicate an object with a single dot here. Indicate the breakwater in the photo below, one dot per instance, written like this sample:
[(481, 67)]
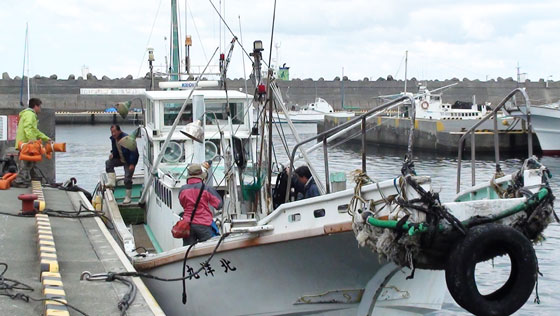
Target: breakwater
[(67, 94)]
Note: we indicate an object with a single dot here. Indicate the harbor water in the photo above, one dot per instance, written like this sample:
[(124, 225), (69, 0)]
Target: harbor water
[(88, 146)]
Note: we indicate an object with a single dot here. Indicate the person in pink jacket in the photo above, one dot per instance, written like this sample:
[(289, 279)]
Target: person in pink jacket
[(201, 225)]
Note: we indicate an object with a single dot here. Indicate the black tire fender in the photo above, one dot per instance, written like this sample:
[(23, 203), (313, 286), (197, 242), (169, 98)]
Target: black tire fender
[(483, 243)]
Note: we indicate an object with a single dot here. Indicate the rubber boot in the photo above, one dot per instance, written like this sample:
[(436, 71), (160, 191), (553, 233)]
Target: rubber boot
[(127, 196), (111, 180)]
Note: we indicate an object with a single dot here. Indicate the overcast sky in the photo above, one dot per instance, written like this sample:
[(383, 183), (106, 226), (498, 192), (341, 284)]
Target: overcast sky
[(476, 39)]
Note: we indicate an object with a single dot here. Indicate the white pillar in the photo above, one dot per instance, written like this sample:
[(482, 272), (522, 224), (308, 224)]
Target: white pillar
[(198, 114)]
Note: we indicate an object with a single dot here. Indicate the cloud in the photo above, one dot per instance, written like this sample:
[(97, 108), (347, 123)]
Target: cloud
[(445, 39)]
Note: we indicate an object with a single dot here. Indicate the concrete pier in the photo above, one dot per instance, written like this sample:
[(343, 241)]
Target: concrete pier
[(431, 135), (97, 117), (82, 244)]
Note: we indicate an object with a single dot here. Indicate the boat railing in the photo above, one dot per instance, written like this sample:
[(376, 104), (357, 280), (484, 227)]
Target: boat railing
[(359, 121), (472, 130)]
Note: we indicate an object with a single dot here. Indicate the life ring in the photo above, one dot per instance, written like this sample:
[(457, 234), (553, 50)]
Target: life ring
[(424, 105), (483, 243)]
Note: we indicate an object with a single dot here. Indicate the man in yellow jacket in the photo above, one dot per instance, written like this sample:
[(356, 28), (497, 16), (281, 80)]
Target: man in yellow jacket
[(27, 131)]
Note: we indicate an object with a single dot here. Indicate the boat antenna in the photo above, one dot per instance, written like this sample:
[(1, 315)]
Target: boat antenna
[(149, 38)]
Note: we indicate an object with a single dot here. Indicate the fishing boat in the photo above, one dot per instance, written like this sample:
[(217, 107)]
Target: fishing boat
[(457, 116), (313, 113), (295, 257), (545, 120), (272, 256), (300, 257), (276, 255), (429, 105)]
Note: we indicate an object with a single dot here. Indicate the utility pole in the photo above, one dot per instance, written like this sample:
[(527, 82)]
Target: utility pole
[(518, 75)]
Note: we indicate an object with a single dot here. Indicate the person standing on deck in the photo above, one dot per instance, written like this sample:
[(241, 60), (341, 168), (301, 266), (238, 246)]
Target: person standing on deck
[(121, 156), (27, 131), (310, 188), (201, 224)]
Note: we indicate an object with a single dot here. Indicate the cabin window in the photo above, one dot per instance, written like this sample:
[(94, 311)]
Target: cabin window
[(150, 111), (218, 111), (171, 110), (319, 213), (294, 217)]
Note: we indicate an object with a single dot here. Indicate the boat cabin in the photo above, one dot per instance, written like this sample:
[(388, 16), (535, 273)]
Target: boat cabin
[(211, 107)]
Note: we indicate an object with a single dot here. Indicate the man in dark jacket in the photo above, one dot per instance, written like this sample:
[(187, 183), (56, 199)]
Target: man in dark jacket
[(121, 156), (310, 187)]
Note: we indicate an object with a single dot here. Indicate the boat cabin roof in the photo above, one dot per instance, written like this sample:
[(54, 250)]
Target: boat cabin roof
[(183, 94)]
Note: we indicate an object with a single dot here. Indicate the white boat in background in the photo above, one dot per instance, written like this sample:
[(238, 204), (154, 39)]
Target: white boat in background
[(313, 113), (457, 116), (430, 105), (545, 120)]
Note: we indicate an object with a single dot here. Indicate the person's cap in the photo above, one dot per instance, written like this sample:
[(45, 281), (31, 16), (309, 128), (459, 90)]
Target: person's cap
[(195, 171)]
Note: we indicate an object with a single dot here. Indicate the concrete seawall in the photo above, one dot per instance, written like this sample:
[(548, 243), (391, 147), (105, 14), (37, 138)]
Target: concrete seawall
[(431, 135), (97, 117), (64, 95)]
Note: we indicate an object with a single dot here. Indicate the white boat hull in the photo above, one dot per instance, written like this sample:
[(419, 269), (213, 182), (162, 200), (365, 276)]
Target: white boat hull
[(546, 124), (322, 275), (313, 118)]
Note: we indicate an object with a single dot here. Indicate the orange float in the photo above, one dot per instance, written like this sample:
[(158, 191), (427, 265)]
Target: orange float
[(34, 150), (6, 181)]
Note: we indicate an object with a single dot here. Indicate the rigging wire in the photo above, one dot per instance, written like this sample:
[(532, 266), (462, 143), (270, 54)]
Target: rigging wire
[(149, 38), (197, 33), (272, 35), (282, 133), (179, 36), (243, 59), (225, 23), (399, 69)]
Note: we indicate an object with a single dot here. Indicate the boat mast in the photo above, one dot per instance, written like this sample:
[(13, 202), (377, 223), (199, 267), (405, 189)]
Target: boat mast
[(188, 44), (28, 79), (405, 69), (25, 61), (174, 67), (342, 89)]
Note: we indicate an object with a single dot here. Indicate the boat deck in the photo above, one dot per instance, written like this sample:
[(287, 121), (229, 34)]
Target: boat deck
[(81, 245)]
